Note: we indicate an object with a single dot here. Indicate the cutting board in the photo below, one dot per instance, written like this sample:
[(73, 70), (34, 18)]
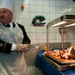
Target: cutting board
[(62, 61)]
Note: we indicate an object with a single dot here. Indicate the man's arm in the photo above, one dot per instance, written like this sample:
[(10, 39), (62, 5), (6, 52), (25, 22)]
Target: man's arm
[(5, 47)]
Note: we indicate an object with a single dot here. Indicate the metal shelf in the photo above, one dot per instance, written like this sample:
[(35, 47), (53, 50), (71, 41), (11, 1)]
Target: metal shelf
[(66, 20)]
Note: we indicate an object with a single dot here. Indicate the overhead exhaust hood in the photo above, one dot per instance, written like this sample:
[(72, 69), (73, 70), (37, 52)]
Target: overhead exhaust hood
[(62, 21)]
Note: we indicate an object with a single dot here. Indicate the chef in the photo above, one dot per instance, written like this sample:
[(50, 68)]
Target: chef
[(13, 42)]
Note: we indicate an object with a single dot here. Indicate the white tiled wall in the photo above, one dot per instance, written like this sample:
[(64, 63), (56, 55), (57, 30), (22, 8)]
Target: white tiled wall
[(51, 9)]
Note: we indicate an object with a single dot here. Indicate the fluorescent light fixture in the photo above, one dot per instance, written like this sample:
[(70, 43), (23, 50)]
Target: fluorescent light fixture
[(59, 23), (73, 24)]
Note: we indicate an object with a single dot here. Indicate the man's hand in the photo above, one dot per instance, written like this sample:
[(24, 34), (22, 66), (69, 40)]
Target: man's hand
[(23, 47)]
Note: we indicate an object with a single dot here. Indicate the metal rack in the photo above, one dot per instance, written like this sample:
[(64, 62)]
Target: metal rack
[(63, 21)]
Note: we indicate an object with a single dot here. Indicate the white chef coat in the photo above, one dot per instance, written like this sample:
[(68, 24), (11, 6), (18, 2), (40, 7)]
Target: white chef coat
[(13, 63)]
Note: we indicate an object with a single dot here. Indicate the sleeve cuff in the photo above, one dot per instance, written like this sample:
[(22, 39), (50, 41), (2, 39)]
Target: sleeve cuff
[(13, 47)]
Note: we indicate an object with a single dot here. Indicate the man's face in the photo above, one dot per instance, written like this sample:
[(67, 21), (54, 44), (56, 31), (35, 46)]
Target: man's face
[(5, 16)]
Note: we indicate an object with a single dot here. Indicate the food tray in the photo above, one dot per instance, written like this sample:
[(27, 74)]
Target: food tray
[(61, 61), (59, 67)]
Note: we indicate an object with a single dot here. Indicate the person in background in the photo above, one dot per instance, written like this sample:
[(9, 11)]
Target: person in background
[(13, 42)]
